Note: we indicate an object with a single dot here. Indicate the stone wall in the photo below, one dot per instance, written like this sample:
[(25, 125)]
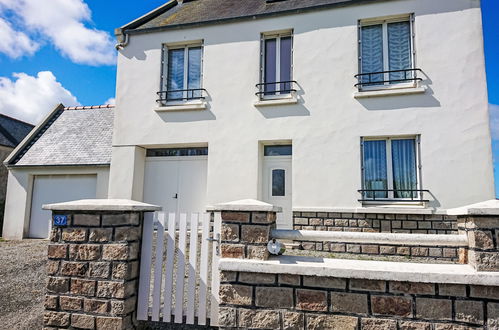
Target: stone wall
[(440, 253), (483, 238), (283, 301), (376, 222), (245, 234), (93, 271), (4, 173), (380, 223)]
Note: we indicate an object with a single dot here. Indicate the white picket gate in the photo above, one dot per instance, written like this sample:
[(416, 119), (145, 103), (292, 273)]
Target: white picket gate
[(168, 292)]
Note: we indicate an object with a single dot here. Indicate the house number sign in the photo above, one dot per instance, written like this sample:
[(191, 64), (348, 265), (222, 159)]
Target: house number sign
[(60, 220)]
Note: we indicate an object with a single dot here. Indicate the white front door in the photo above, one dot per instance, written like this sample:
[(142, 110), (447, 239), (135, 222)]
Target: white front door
[(177, 183), (49, 189), (277, 187)]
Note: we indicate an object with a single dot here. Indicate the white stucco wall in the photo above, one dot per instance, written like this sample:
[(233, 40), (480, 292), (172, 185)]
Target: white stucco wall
[(19, 193), (326, 125)]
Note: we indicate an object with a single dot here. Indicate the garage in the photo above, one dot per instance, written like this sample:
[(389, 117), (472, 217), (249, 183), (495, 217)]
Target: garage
[(175, 178), (54, 189)]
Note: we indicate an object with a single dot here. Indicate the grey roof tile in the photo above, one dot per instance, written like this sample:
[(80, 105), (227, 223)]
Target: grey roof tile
[(76, 137), (12, 131), (204, 11)]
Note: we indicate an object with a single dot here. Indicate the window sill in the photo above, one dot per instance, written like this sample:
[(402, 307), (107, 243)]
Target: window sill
[(281, 101), (192, 106), (389, 92), (394, 204)]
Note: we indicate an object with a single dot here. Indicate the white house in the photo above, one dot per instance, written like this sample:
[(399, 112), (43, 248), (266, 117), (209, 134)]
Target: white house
[(318, 105)]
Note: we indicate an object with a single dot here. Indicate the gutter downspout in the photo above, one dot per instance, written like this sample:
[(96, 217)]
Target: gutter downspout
[(123, 38)]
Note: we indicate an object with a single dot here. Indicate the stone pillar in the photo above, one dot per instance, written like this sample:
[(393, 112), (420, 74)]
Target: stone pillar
[(93, 264), (480, 222), (246, 226)]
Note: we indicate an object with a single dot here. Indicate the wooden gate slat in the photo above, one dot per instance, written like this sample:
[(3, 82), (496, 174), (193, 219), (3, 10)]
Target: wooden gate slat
[(145, 268), (158, 266), (179, 294), (215, 274), (203, 269), (193, 255), (170, 256)]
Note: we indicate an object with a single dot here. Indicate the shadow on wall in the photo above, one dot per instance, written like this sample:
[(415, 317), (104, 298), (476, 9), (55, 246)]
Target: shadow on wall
[(434, 202), (397, 102), (185, 116), (279, 111)]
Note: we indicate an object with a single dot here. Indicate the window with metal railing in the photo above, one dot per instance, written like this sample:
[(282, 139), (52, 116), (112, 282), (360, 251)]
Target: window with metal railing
[(391, 169), (386, 53), (276, 66), (182, 74)]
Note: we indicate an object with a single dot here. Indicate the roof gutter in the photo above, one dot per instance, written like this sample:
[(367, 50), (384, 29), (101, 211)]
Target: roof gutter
[(123, 38), (14, 166), (122, 33)]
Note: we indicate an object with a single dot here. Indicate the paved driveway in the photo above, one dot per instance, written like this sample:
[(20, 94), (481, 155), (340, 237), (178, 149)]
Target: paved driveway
[(22, 283)]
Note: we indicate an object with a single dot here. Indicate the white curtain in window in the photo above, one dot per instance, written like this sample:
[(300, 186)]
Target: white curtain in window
[(194, 71), (375, 171), (175, 73), (372, 52), (399, 49), (404, 167)]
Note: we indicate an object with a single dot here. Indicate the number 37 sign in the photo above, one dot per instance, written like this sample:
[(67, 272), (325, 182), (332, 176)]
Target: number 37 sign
[(60, 220)]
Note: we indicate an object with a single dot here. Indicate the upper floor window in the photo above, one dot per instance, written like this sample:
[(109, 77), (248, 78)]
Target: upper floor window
[(386, 53), (390, 169), (276, 65), (182, 74)]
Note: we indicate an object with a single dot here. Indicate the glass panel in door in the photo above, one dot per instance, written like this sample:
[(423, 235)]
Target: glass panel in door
[(278, 182)]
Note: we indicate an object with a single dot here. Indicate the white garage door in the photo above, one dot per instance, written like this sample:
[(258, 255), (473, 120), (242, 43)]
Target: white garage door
[(55, 189), (176, 179)]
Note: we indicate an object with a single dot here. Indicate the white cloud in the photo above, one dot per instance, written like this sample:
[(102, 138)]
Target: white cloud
[(30, 98), (111, 101), (494, 121), (15, 43), (65, 24)]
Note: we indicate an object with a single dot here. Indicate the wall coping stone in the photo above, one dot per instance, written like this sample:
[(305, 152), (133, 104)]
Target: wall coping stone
[(245, 205), (363, 269), (374, 209), (490, 207), (371, 238), (102, 205)]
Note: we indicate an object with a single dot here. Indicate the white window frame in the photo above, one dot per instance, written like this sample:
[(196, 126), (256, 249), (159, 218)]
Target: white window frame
[(386, 65), (277, 36), (389, 165), (164, 68)]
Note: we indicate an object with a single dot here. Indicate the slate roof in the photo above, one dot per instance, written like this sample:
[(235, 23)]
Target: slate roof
[(13, 131), (173, 14), (72, 136)]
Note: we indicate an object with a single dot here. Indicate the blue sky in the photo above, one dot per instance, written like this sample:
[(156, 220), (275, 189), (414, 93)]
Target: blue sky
[(490, 13), (41, 65)]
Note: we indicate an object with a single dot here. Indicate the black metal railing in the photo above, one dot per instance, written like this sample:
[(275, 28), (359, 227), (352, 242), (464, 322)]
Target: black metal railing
[(397, 195), (181, 95), (275, 88), (394, 77)]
